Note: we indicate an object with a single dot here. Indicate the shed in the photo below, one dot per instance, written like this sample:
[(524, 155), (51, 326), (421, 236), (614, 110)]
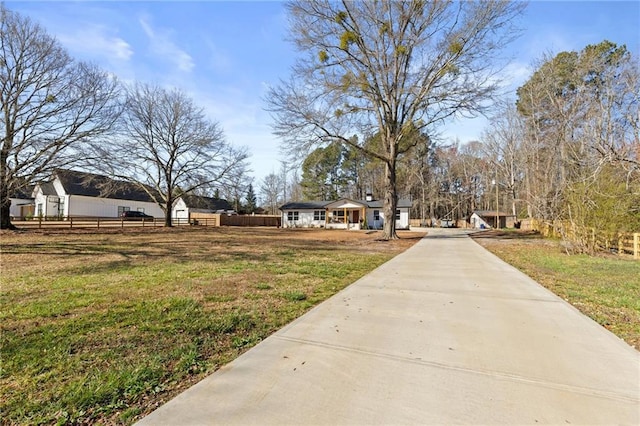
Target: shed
[(485, 219)]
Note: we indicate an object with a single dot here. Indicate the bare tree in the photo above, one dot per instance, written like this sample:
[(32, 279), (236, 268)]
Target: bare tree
[(580, 111), (53, 108), (504, 148), (171, 148), (271, 191), (387, 67)]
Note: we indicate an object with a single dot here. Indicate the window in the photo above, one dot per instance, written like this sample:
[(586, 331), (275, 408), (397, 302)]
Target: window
[(39, 209), (122, 209), (397, 214), (319, 215), (337, 216), (376, 215), (292, 216)]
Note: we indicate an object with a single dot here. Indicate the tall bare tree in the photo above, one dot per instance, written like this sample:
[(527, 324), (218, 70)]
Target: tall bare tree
[(503, 147), (171, 148), (386, 67), (271, 192), (53, 108)]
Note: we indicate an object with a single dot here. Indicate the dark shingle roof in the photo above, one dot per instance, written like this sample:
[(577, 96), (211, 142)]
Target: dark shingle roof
[(305, 205), (24, 193), (47, 188), (92, 185), (206, 203), (309, 205)]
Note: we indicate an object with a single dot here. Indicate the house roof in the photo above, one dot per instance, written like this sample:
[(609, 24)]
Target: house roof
[(205, 203), (346, 202), (310, 205), (491, 213), (93, 185), (24, 193), (305, 205), (47, 188)]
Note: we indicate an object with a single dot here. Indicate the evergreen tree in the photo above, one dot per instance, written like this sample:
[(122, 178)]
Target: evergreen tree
[(252, 202)]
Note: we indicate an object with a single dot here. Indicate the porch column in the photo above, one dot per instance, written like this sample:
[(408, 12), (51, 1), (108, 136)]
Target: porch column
[(346, 217)]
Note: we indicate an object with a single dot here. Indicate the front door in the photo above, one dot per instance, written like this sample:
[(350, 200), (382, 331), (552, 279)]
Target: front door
[(356, 216)]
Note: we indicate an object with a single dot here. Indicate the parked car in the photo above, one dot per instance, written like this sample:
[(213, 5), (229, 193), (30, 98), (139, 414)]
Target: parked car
[(135, 215)]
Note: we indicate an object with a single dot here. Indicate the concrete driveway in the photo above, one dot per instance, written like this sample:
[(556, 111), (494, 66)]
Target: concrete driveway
[(445, 333)]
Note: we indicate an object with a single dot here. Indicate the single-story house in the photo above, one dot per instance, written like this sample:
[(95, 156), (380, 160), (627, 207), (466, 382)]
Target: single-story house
[(188, 205), (22, 203), (79, 194), (342, 214), (485, 219)]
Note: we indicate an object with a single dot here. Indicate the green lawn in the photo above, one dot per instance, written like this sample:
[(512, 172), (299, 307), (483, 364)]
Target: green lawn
[(104, 327)]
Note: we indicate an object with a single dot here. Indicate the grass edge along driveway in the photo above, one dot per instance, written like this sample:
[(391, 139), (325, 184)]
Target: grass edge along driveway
[(605, 287), (104, 326)]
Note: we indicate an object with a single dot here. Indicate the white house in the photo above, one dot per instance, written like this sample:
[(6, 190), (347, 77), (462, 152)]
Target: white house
[(304, 214), (188, 204), (342, 214), (22, 204), (79, 194)]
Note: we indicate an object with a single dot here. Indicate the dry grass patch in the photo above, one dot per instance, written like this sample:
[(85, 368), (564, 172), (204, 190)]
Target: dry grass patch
[(102, 326)]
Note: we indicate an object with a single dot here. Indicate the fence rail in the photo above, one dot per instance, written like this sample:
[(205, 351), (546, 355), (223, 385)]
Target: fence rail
[(622, 243), (101, 222), (110, 222)]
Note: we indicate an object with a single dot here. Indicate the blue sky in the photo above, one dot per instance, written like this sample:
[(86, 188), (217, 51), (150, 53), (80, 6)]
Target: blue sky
[(225, 54)]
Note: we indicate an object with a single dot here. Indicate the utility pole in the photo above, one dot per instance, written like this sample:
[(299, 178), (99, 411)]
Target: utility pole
[(497, 207), (495, 182)]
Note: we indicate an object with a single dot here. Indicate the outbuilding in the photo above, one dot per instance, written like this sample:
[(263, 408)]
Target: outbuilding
[(485, 219)]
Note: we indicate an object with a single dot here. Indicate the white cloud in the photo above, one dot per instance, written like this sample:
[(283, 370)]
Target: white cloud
[(219, 60), (244, 122), (163, 46), (95, 41), (515, 74)]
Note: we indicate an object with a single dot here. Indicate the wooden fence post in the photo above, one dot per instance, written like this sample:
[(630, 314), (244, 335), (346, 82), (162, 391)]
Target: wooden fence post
[(636, 245), (620, 245)]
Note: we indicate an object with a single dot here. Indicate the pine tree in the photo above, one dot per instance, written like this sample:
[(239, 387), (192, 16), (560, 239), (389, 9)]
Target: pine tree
[(251, 200)]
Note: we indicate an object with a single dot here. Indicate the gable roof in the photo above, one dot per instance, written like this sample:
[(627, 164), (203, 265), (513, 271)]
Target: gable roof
[(346, 202), (93, 185), (47, 188), (205, 203)]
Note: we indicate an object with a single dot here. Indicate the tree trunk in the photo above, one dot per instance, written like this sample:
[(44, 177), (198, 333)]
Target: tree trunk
[(390, 201), (167, 213), (5, 201), (5, 209)]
